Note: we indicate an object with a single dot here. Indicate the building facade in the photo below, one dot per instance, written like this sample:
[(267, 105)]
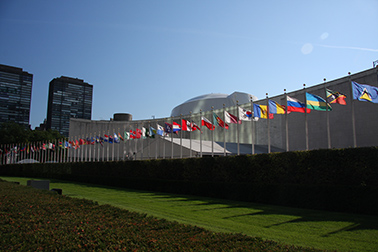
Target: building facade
[(15, 95), (68, 98), (350, 125)]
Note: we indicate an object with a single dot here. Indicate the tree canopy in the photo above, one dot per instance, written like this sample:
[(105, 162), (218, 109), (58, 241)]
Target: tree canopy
[(11, 132)]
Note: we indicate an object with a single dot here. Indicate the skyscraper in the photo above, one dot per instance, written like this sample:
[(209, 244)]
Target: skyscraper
[(68, 97), (15, 95)]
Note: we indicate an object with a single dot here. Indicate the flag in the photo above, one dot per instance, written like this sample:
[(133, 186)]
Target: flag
[(262, 112), (143, 132), (229, 118), (294, 105), (138, 134), (244, 115), (67, 145), (132, 134), (116, 139), (81, 141), (219, 121), (316, 102), (168, 128), (335, 97), (126, 135), (106, 138), (111, 140), (176, 127), (152, 132), (120, 137), (195, 126), (275, 108), (185, 125), (364, 92), (207, 123), (160, 130)]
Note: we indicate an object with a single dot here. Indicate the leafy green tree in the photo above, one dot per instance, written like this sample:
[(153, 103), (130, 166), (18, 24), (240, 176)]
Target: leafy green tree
[(11, 132)]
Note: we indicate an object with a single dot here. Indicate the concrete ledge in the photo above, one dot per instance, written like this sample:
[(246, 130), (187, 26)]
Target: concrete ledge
[(39, 184)]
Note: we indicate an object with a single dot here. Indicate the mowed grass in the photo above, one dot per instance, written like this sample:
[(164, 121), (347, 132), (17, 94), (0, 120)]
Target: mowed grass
[(292, 226)]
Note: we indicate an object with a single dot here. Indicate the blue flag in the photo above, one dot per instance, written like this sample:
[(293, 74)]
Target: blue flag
[(364, 92)]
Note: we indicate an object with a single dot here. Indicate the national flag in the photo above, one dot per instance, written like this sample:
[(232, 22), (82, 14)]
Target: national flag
[(195, 126), (111, 140), (364, 92), (106, 138), (207, 123), (81, 141), (126, 135), (120, 137), (219, 121), (263, 112), (316, 102), (335, 97), (67, 145), (275, 108), (160, 130), (168, 128), (152, 132), (244, 115), (132, 134), (229, 118), (116, 138), (143, 132), (176, 127), (294, 105), (185, 125)]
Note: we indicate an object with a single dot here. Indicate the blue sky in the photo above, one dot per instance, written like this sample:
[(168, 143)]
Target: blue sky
[(146, 57)]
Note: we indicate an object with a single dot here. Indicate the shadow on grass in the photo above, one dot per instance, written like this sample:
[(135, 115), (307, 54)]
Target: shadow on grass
[(357, 222)]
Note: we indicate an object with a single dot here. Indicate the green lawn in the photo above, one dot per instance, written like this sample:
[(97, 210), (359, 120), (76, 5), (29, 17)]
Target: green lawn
[(301, 227)]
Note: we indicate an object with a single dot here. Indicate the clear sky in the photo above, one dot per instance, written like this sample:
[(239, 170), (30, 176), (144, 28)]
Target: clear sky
[(144, 57)]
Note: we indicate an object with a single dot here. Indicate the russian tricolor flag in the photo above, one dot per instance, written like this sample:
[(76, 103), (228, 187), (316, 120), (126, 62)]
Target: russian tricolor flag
[(295, 105)]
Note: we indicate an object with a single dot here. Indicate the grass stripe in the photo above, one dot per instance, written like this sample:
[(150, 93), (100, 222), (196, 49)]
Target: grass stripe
[(293, 226)]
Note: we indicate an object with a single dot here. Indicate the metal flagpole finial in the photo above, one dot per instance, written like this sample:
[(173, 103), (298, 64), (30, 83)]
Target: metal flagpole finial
[(324, 79), (348, 73), (304, 85)]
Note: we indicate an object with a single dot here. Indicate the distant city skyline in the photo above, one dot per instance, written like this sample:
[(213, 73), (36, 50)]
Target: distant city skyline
[(145, 58)]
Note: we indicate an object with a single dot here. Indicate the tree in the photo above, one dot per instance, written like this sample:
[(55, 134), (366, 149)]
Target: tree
[(11, 132)]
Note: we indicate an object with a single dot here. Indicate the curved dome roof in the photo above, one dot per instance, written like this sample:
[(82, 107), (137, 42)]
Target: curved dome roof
[(205, 102)]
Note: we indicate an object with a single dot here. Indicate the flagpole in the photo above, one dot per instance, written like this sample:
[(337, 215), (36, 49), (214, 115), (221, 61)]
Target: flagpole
[(286, 124), (141, 143), (306, 123), (190, 133), (252, 126), (224, 131), (268, 121), (180, 136), (353, 116), (327, 114), (171, 137), (237, 127), (212, 133), (201, 134)]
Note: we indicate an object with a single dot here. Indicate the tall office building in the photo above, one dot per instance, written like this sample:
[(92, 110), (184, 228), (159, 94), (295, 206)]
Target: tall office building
[(15, 95), (68, 98)]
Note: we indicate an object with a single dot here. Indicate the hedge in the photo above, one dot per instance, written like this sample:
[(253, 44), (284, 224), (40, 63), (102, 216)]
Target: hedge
[(337, 179)]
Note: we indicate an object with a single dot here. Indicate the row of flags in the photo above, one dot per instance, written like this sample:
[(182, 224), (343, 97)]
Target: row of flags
[(361, 92), (26, 148)]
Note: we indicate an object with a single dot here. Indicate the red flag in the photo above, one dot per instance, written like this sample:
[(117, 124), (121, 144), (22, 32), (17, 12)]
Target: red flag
[(207, 123)]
